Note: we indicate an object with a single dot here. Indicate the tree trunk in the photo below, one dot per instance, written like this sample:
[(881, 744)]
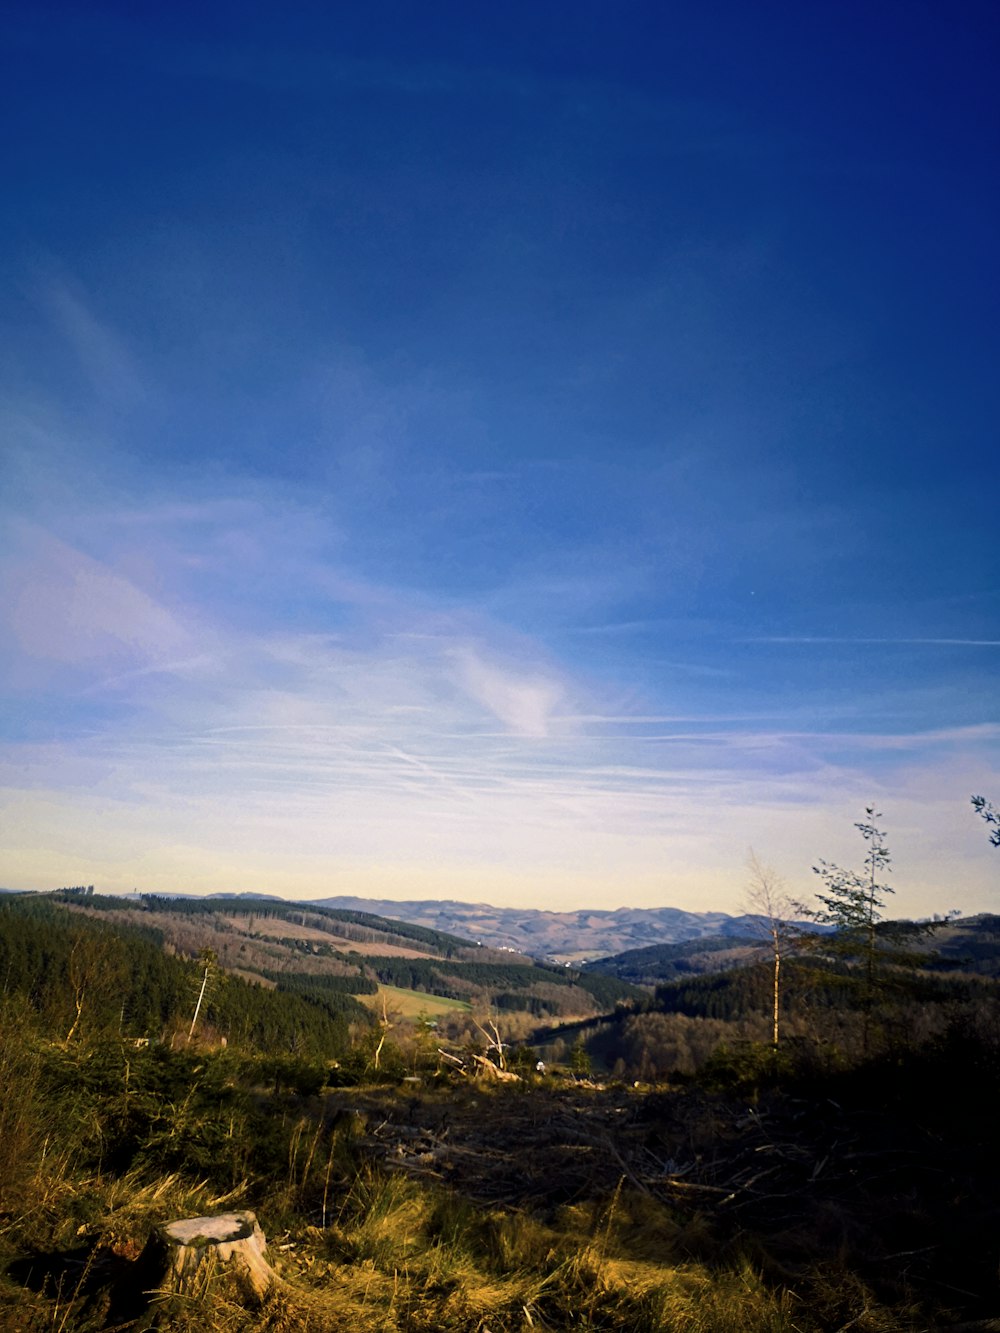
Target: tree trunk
[(184, 1248), (197, 1008), (777, 993)]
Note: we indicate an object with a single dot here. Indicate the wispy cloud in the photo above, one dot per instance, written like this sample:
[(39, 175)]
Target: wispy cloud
[(522, 702), (827, 639), (100, 351), (67, 607), (621, 627)]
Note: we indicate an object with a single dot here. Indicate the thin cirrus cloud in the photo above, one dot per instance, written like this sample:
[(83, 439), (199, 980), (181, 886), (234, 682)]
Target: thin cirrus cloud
[(413, 741), (65, 606), (233, 669), (523, 703), (103, 357), (929, 641)]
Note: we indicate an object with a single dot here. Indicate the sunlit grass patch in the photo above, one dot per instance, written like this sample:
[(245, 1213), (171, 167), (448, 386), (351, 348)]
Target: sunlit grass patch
[(413, 1003), (427, 1258)]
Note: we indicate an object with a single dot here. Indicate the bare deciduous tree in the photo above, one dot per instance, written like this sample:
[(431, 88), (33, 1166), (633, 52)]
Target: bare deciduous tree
[(766, 898), (386, 1026), (93, 970)]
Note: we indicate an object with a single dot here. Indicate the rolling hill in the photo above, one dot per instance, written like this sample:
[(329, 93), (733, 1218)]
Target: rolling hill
[(562, 937), (327, 954)]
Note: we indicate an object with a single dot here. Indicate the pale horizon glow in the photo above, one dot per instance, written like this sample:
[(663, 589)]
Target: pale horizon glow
[(504, 461)]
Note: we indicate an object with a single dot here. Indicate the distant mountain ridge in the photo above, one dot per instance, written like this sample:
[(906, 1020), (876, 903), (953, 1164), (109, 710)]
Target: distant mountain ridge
[(565, 937)]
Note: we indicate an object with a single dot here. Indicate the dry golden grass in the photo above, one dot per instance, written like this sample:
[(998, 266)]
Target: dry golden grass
[(399, 1256), (275, 928), (359, 1244)]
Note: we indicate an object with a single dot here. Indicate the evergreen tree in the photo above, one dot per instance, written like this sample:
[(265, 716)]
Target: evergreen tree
[(853, 904), (987, 811)]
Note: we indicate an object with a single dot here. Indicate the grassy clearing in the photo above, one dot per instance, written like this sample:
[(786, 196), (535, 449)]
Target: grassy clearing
[(364, 1237), (410, 1004)]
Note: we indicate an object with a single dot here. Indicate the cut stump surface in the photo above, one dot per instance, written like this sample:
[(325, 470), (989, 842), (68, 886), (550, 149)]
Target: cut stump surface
[(230, 1238)]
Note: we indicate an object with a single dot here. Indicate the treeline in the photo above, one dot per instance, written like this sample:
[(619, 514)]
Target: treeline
[(734, 994), (96, 902), (973, 947), (299, 982), (87, 978), (281, 1021), (437, 939), (438, 977), (81, 969), (335, 995)]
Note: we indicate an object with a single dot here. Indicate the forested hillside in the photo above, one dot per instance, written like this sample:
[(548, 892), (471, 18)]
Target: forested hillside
[(662, 962), (88, 978), (714, 995), (970, 945), (327, 955)]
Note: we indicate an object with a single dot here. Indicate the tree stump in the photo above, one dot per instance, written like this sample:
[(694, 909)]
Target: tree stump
[(184, 1248)]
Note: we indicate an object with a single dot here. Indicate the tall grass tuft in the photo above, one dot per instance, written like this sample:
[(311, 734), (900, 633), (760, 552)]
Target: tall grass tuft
[(25, 1137)]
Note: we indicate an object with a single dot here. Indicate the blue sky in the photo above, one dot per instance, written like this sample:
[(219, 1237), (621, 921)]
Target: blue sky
[(526, 454)]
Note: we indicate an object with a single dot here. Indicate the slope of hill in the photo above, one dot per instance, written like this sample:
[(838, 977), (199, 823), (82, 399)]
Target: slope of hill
[(969, 944), (327, 954), (562, 937), (666, 962), (92, 974)]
